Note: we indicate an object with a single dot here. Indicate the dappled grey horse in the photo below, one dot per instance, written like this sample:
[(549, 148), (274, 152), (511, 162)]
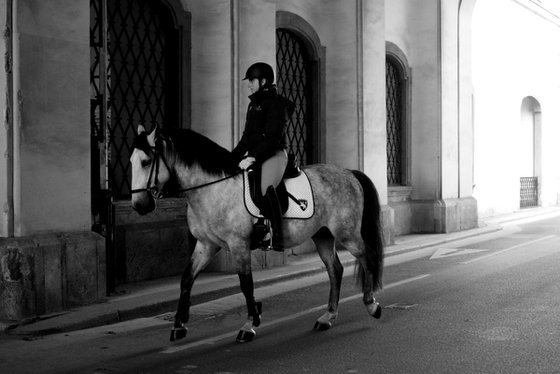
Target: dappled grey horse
[(347, 216)]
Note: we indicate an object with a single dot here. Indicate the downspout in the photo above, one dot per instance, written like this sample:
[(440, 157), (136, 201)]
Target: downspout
[(235, 86), (459, 86), (9, 123), (360, 81), (439, 133), (16, 107)]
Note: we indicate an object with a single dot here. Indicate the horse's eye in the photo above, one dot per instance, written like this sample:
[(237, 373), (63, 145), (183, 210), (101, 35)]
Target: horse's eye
[(145, 163)]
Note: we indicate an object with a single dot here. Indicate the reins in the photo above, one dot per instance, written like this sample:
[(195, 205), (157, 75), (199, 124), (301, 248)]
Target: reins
[(210, 183), (155, 191)]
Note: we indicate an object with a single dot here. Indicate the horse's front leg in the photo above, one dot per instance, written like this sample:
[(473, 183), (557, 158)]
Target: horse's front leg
[(202, 255), (254, 308), (324, 242)]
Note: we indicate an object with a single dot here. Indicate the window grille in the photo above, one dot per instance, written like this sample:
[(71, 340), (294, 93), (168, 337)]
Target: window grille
[(395, 127), (294, 82), (134, 73), (529, 192)]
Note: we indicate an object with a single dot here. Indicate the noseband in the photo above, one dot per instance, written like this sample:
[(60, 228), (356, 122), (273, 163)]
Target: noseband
[(154, 171)]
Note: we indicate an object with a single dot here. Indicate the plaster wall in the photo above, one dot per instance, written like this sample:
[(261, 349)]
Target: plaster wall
[(525, 64), (51, 119), (211, 106)]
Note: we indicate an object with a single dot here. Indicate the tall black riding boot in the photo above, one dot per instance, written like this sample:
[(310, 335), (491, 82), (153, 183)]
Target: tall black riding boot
[(275, 217)]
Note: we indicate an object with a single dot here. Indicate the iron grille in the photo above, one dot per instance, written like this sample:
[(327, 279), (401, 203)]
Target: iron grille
[(529, 192), (394, 87), (131, 77), (293, 81)]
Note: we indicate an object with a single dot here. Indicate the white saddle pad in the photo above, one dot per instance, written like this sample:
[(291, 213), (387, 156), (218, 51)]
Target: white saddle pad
[(299, 187)]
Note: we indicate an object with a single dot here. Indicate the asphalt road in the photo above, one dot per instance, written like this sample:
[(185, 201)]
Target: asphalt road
[(488, 304)]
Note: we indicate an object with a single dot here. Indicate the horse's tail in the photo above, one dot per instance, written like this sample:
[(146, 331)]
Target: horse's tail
[(372, 235)]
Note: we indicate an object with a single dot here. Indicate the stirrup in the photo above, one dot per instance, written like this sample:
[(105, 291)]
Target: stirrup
[(273, 245), (259, 234)]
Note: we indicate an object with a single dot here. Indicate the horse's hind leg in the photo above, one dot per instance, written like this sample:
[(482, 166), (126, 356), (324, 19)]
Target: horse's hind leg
[(324, 242), (366, 277), (364, 274)]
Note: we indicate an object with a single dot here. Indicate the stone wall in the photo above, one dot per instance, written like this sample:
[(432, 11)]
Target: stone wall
[(47, 273)]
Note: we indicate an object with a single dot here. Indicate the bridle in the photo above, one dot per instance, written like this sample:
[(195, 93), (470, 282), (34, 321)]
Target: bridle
[(155, 191)]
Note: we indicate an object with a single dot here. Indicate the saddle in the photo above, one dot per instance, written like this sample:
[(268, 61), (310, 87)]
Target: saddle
[(294, 193)]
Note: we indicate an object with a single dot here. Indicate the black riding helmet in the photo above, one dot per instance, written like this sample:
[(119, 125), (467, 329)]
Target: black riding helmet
[(260, 70)]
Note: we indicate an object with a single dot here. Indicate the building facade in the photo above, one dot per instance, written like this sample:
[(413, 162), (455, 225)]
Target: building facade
[(381, 86)]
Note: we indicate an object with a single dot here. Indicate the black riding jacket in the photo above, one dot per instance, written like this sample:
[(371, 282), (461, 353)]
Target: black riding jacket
[(267, 116)]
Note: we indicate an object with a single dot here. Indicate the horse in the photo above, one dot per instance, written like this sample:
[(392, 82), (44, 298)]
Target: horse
[(347, 216)]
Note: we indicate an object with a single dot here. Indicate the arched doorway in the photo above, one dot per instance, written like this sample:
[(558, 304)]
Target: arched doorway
[(136, 78), (139, 74), (529, 152)]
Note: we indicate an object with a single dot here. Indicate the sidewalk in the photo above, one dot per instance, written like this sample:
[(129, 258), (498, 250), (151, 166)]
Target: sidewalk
[(159, 296)]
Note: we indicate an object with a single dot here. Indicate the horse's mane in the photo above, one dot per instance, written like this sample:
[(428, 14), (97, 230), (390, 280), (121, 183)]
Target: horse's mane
[(193, 148)]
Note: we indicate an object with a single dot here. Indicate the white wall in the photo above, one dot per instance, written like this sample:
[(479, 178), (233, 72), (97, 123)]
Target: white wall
[(515, 55)]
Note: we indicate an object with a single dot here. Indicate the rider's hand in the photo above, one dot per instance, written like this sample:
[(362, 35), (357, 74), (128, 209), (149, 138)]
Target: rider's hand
[(246, 163)]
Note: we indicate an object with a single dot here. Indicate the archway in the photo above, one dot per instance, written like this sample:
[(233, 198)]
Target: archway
[(530, 149)]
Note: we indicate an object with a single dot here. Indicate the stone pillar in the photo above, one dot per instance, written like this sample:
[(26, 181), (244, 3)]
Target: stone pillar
[(455, 210), (50, 260), (51, 116), (372, 45), (211, 92)]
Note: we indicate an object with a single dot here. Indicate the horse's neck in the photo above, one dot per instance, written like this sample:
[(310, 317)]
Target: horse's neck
[(199, 195)]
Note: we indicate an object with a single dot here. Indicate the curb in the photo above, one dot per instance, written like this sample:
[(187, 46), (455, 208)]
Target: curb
[(109, 312)]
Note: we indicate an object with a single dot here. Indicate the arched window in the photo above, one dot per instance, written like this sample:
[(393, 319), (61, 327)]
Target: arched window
[(294, 81), (394, 103), (397, 125)]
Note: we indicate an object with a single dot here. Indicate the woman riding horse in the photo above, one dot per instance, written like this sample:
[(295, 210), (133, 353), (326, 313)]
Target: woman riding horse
[(262, 145), (346, 215)]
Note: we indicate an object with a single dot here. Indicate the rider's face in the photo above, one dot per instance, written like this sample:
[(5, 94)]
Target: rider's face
[(254, 85)]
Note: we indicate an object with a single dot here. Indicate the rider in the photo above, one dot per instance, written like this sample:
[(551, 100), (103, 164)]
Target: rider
[(262, 146)]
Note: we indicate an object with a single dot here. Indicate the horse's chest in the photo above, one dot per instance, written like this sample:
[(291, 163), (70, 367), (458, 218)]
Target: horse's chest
[(208, 225)]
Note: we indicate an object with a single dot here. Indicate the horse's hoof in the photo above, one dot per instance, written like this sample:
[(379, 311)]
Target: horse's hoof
[(178, 333), (322, 326), (377, 313), (245, 336)]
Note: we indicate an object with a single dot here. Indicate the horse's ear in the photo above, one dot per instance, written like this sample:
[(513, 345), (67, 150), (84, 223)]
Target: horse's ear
[(152, 136), (141, 129)]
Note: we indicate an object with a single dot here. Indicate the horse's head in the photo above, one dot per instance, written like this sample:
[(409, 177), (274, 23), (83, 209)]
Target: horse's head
[(150, 170)]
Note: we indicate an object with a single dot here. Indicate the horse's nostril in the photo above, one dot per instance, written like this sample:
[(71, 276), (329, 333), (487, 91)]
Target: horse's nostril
[(145, 206)]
